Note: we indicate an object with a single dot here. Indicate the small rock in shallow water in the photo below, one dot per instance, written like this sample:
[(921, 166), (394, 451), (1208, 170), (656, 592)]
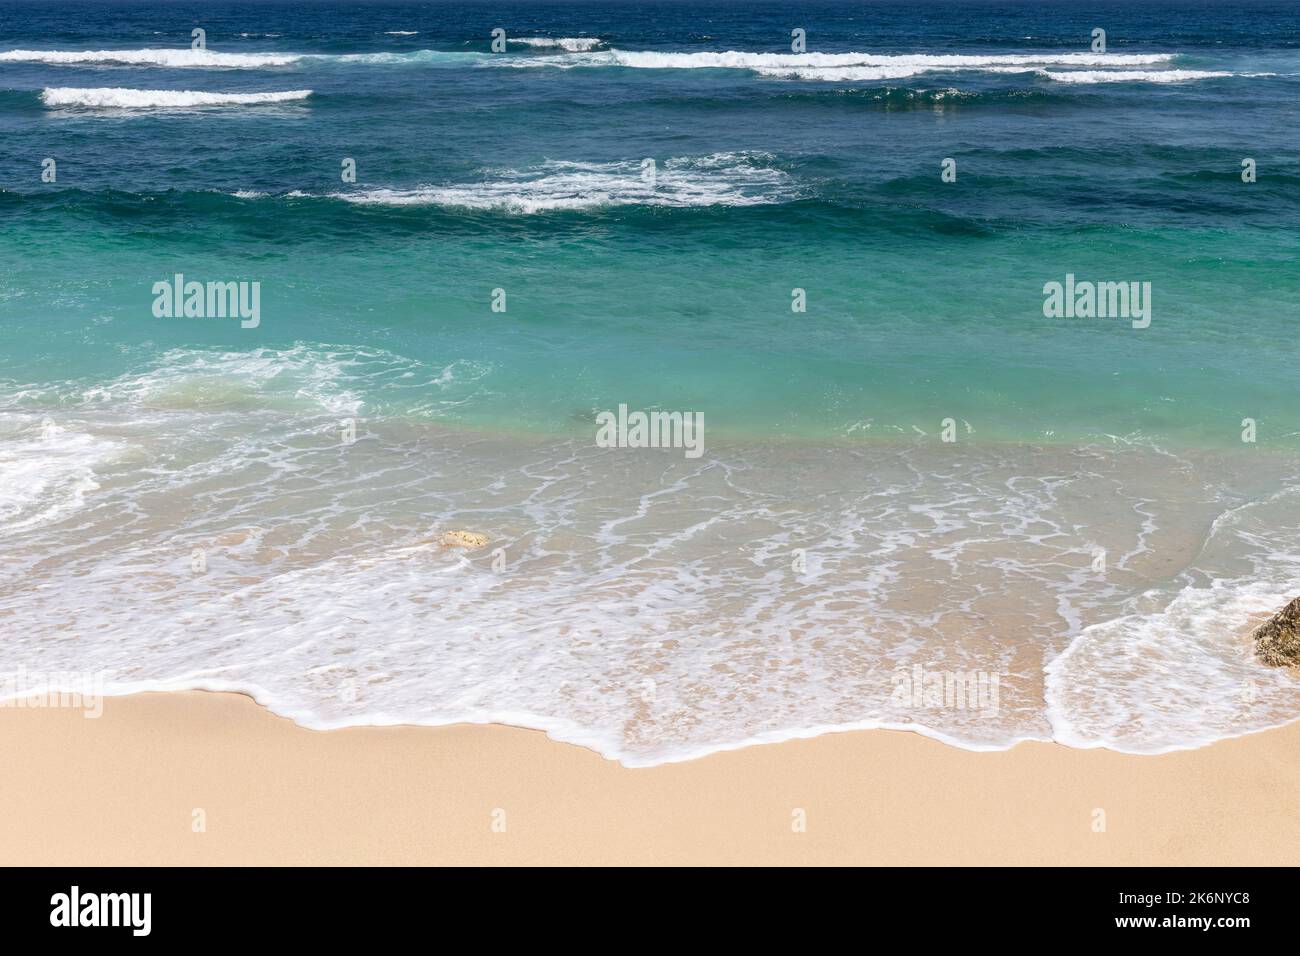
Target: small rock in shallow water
[(463, 539), (1277, 641)]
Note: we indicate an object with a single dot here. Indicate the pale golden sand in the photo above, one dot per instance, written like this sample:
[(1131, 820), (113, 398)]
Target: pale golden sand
[(123, 789)]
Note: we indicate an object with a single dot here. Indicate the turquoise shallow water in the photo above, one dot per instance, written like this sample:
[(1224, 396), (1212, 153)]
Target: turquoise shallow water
[(704, 322), (190, 503)]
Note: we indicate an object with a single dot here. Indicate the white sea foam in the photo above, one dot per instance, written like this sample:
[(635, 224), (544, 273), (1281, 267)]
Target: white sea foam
[(735, 59), (1177, 669), (299, 379), (1177, 675), (401, 33), (843, 74), (413, 58), (46, 470), (115, 98), (211, 59), (648, 607), (865, 67), (170, 58), (1132, 76), (586, 52), (572, 44), (723, 179)]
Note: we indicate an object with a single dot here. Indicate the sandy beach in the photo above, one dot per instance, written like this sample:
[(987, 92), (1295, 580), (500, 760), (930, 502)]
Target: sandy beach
[(206, 778)]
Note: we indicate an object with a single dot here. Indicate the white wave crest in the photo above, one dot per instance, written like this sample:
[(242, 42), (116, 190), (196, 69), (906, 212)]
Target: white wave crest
[(572, 44), (734, 59), (178, 59), (302, 378), (723, 179), (851, 67), (1132, 76), (840, 73), (401, 33), (208, 59), (848, 74), (117, 98)]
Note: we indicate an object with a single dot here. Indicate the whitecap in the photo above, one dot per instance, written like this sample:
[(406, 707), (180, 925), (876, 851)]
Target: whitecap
[(722, 179), (736, 59), (118, 98), (572, 44), (1132, 76), (170, 58)]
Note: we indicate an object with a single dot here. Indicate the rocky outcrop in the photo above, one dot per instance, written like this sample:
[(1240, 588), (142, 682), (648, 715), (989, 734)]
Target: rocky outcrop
[(463, 539), (1277, 641)]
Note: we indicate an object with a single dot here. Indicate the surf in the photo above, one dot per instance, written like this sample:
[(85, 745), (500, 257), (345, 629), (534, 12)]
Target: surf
[(170, 58), (723, 179), (126, 99)]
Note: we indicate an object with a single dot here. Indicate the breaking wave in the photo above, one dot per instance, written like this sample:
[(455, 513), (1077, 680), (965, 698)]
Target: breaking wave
[(1133, 76), (742, 60), (723, 179), (177, 59), (116, 98), (572, 44)]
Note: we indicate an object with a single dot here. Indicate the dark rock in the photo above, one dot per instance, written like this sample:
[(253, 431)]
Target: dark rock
[(1277, 641)]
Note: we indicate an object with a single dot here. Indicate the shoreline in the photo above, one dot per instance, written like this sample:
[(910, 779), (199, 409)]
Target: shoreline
[(892, 439), (569, 735), (132, 787)]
